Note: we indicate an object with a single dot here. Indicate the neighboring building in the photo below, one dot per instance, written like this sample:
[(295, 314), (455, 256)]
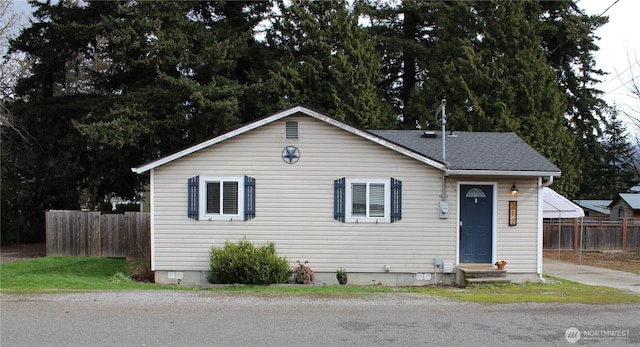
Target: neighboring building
[(625, 205), (634, 189), (384, 205), (594, 208)]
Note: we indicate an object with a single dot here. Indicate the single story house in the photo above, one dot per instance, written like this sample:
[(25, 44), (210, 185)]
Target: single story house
[(594, 208), (397, 207), (625, 205)]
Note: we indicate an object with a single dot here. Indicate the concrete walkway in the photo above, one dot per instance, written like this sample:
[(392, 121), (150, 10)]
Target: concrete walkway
[(591, 275)]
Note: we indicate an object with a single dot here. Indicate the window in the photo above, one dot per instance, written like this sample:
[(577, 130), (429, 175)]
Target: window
[(221, 198), (367, 200)]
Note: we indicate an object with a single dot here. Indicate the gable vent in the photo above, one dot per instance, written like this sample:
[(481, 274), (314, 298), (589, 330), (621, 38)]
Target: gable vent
[(291, 130)]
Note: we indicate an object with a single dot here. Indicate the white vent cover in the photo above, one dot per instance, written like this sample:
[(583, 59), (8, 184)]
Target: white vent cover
[(292, 130)]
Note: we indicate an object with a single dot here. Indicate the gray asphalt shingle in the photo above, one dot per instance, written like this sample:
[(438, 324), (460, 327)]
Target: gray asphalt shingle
[(473, 150)]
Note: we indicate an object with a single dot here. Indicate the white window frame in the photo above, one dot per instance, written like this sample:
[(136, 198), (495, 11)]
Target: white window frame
[(349, 217), (203, 198)]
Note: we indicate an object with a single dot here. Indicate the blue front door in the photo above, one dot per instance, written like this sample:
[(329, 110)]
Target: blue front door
[(476, 223)]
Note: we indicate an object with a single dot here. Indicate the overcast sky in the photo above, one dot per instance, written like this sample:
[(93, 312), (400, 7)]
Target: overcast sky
[(619, 53)]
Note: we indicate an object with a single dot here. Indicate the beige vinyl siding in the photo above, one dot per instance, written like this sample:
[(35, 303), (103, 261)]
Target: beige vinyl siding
[(518, 244), (294, 203)]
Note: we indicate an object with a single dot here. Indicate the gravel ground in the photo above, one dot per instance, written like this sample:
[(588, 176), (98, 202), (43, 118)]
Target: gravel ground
[(167, 318), (22, 251)]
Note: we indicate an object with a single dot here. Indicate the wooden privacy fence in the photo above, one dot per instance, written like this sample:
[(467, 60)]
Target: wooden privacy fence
[(93, 234), (597, 234)]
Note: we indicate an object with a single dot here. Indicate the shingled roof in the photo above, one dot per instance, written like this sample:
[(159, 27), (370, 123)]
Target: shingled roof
[(467, 153), (473, 150)]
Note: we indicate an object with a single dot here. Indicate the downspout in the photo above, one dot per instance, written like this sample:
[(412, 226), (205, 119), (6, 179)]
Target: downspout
[(442, 107), (544, 185)]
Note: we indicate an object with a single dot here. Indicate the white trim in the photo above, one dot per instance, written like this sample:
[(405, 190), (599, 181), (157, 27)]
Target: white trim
[(152, 225), (494, 217), (501, 173), (298, 109), (349, 218), (203, 215), (540, 227)]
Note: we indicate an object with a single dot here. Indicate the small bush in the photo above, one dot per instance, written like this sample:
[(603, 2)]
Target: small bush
[(341, 275), (140, 270), (119, 277), (246, 264), (302, 274)]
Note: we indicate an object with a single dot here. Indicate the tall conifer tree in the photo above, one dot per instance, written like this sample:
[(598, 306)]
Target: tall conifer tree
[(325, 60)]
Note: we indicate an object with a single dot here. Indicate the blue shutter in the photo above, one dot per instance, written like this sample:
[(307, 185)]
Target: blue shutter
[(339, 199), (396, 200), (193, 187), (249, 197)]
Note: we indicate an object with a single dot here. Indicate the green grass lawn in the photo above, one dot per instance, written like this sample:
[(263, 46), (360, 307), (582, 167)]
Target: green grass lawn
[(67, 274), (70, 274)]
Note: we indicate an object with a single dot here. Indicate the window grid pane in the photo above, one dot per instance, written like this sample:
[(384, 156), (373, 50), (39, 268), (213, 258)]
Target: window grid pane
[(359, 199), (376, 200), (230, 197), (213, 197)]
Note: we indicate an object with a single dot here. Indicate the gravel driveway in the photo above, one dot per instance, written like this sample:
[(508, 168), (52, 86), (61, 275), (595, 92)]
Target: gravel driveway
[(167, 318), (22, 251)]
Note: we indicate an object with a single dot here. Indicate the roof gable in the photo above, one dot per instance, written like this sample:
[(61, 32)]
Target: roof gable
[(296, 110), (600, 206), (467, 153), (632, 199)]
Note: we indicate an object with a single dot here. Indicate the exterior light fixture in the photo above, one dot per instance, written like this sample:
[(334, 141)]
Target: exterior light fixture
[(514, 189)]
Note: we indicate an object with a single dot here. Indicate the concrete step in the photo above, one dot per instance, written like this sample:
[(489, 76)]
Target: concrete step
[(487, 280), (483, 272)]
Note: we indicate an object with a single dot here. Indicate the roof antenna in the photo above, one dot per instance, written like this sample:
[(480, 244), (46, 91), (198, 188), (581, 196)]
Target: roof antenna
[(442, 120), (444, 205)]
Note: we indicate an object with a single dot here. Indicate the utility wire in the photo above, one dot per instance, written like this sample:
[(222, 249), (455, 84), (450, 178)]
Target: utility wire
[(617, 77), (622, 85), (600, 15)]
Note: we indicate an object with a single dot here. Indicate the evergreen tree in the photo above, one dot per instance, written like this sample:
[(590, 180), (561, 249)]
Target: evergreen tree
[(568, 36), (619, 158), (495, 76), (46, 169), (403, 34), (522, 66), (115, 84), (325, 60)]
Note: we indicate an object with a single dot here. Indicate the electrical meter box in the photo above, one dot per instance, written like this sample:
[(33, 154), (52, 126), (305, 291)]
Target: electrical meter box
[(437, 262), (444, 209)]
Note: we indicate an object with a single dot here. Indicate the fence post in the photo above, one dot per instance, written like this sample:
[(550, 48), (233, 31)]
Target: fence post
[(624, 233), (576, 229)]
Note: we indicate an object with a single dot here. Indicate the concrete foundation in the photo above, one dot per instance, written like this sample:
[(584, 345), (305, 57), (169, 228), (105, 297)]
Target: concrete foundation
[(199, 278)]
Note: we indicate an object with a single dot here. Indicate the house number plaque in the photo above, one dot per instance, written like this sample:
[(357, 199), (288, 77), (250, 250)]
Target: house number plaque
[(513, 213)]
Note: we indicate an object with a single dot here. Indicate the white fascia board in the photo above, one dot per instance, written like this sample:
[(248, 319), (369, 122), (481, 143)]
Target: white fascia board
[(502, 173), (297, 109)]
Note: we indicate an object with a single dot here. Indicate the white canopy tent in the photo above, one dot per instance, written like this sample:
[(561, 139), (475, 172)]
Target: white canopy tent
[(558, 207)]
